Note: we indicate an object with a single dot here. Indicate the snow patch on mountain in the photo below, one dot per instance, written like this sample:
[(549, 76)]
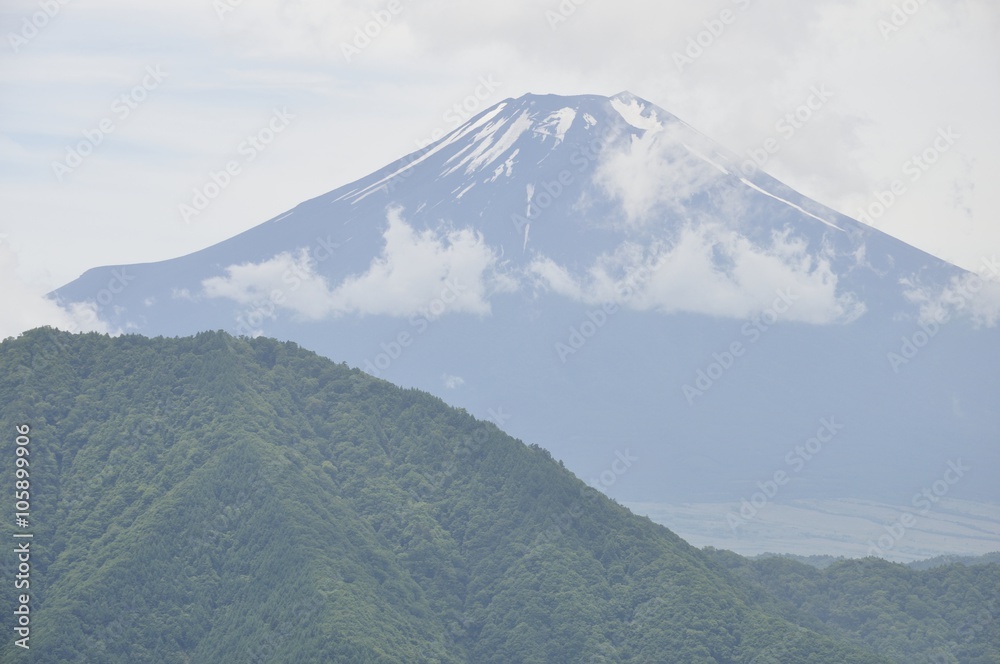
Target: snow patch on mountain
[(357, 196), (557, 124), (705, 159), (475, 124), (491, 143), (506, 168), (381, 184), (633, 112), (793, 205), (530, 190)]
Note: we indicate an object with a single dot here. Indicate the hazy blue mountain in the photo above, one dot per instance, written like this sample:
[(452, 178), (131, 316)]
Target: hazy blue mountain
[(598, 277)]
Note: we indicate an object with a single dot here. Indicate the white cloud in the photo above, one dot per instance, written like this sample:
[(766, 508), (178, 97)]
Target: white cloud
[(452, 382), (416, 269), (890, 96), (972, 296), (709, 270), (427, 272), (654, 172), (25, 305), (286, 280)]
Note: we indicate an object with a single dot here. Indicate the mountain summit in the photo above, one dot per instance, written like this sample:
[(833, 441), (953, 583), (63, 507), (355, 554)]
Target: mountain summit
[(564, 195), (607, 281)]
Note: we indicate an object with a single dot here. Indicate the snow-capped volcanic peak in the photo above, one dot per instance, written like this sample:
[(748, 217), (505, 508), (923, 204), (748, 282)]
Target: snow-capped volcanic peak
[(491, 142), (588, 261), (531, 130), (636, 112)]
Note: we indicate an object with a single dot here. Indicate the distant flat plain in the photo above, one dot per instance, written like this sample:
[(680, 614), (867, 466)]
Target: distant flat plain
[(849, 528)]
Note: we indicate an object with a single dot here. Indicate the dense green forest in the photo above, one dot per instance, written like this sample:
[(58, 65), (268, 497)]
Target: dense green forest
[(218, 499), (949, 613), (822, 562)]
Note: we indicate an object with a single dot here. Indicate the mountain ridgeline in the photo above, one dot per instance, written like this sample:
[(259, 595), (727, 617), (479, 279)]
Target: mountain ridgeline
[(220, 499), (638, 272)]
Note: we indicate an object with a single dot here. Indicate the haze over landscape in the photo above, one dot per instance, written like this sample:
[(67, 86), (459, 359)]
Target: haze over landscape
[(604, 280), (737, 270)]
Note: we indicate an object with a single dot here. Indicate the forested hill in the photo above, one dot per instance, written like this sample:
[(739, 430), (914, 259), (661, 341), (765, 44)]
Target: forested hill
[(217, 499)]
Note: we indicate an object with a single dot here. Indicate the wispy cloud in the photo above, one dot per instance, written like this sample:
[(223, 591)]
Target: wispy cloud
[(452, 382), (414, 270), (26, 307), (708, 270), (654, 172), (972, 296)]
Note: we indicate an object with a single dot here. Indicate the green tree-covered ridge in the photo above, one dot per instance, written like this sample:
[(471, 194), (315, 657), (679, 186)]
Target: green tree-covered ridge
[(220, 499)]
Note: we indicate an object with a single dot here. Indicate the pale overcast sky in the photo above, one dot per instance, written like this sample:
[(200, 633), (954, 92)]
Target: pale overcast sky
[(160, 95)]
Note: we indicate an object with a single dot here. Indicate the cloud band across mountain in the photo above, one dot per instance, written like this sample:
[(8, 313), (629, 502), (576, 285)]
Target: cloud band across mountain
[(708, 270), (415, 270)]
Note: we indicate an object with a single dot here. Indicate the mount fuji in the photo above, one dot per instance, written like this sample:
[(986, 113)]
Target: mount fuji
[(602, 280)]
